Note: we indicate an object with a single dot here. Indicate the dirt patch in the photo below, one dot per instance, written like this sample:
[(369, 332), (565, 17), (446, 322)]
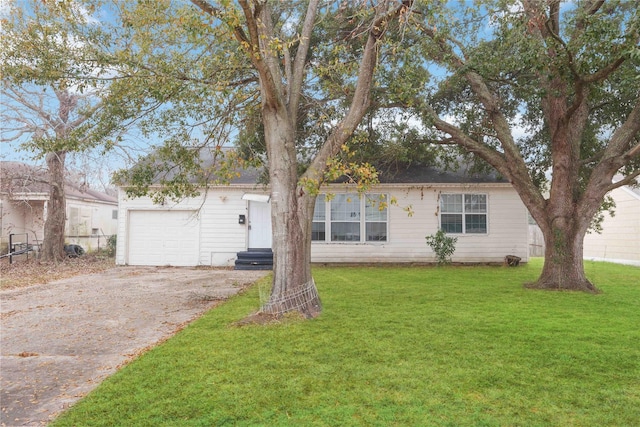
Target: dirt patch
[(60, 340)]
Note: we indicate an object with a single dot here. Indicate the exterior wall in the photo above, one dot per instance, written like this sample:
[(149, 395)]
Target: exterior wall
[(90, 223), (620, 239), (19, 217), (507, 229), (28, 217), (221, 236)]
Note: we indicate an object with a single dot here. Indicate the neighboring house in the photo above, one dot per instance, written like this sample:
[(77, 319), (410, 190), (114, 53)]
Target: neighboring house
[(91, 216), (619, 241), (485, 214)]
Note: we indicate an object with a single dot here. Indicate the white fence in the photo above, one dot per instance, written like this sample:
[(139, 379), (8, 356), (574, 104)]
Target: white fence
[(536, 241)]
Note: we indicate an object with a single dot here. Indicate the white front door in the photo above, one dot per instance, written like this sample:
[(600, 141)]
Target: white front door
[(259, 225)]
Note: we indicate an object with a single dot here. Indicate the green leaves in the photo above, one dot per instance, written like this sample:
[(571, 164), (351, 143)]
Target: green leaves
[(443, 246)]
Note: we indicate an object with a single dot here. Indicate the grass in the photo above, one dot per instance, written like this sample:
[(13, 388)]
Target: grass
[(397, 346)]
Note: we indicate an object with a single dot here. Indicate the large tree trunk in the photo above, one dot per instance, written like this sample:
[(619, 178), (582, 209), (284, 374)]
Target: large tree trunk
[(53, 242), (563, 265), (293, 285), (291, 205), (291, 214)]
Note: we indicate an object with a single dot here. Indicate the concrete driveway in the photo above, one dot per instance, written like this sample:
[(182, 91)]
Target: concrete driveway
[(60, 340)]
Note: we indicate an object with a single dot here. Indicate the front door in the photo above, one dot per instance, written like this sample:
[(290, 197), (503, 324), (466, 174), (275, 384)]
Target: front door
[(259, 225)]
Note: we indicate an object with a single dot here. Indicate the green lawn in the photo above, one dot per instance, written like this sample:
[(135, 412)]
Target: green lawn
[(403, 346)]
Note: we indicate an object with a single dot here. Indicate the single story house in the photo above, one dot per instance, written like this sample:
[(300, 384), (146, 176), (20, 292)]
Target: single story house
[(91, 216), (619, 241), (484, 212)]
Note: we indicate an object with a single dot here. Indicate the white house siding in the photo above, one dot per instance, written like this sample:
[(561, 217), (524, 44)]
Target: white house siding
[(221, 236), (90, 223), (507, 228), (620, 238), (18, 217)]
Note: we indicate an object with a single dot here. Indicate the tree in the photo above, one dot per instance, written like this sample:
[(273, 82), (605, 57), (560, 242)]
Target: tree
[(50, 93), (220, 58), (41, 106), (568, 73)]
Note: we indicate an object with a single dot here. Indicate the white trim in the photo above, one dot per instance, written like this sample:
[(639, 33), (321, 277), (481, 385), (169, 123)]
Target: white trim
[(463, 213), (630, 192), (193, 215), (262, 198), (29, 196), (362, 221), (615, 261)]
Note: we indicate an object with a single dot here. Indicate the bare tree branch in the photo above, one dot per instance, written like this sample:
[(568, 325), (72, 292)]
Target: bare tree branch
[(298, 71)]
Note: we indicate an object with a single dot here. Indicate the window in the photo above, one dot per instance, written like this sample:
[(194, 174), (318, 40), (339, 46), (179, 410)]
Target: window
[(345, 218), (318, 226), (463, 213), (340, 219), (74, 221), (376, 218), (114, 214)]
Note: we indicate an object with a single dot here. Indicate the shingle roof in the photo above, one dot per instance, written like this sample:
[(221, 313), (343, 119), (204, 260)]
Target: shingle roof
[(413, 174), (421, 174), (425, 174)]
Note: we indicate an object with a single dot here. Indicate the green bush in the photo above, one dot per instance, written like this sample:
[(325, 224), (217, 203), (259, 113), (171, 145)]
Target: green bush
[(111, 245), (443, 246)]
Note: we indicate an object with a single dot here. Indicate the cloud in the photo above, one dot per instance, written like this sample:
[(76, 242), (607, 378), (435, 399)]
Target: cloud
[(5, 8), (83, 13)]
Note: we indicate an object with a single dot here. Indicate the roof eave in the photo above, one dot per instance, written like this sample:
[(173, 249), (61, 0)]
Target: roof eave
[(386, 185), (28, 196)]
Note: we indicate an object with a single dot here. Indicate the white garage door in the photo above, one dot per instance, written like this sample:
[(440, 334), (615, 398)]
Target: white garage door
[(163, 238)]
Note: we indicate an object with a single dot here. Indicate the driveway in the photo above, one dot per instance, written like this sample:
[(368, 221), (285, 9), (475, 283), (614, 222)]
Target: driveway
[(60, 340)]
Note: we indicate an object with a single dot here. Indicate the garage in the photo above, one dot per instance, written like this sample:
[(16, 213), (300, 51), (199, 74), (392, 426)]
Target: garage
[(163, 237)]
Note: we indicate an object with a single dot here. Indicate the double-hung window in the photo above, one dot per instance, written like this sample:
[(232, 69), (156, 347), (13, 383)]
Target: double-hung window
[(319, 224), (345, 218), (376, 218), (463, 213), (350, 218)]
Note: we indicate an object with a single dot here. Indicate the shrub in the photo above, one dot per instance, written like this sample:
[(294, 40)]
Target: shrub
[(443, 246), (111, 245)]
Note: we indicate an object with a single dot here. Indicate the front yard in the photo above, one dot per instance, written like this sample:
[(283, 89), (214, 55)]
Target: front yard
[(28, 272), (420, 346)]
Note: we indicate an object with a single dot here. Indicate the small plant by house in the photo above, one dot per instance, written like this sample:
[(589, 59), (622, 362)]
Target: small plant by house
[(112, 241), (443, 246)]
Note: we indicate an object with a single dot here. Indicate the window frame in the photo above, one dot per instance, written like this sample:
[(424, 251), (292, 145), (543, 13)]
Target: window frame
[(348, 215), (321, 200), (464, 213), (362, 221)]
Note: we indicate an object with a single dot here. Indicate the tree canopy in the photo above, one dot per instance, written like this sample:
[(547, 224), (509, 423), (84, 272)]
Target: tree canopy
[(194, 73), (565, 73), (545, 92), (47, 100)]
